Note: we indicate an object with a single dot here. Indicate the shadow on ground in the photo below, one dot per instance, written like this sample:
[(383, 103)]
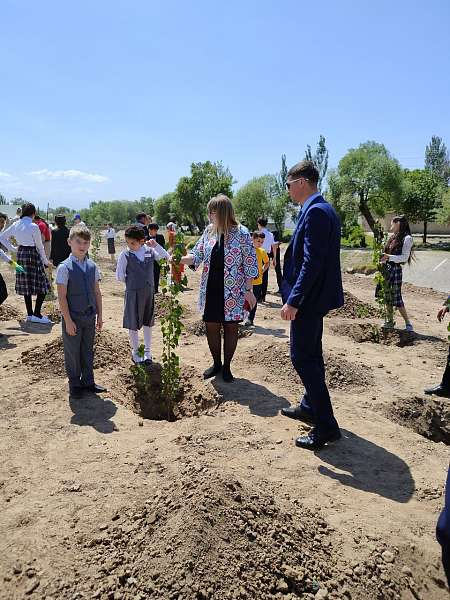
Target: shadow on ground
[(93, 411), (259, 399), (368, 467)]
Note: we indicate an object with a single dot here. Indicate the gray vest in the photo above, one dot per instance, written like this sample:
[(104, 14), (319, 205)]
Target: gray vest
[(81, 288), (139, 273)]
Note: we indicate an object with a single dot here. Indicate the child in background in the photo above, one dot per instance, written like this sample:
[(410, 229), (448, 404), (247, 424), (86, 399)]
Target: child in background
[(177, 271), (60, 249), (159, 239), (110, 240), (135, 269), (80, 302), (263, 264)]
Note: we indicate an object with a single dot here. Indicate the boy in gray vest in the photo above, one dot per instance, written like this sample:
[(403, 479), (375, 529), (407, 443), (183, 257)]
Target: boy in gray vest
[(135, 267), (80, 301)]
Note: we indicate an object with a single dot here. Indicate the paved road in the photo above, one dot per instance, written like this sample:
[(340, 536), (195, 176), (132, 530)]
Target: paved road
[(431, 269)]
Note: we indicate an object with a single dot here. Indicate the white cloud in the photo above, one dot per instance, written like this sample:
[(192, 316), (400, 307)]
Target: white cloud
[(46, 174), (4, 175)]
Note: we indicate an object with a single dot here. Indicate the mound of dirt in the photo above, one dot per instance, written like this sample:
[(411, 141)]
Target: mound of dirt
[(366, 332), (110, 350), (143, 390), (429, 417), (9, 313), (198, 328), (354, 308), (340, 373), (206, 536), (52, 311), (161, 311)]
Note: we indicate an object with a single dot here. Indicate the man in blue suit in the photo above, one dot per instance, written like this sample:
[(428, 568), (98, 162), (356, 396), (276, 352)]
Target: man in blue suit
[(311, 287)]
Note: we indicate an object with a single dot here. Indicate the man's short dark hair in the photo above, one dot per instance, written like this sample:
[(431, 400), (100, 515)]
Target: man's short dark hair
[(140, 216), (306, 169), (135, 233), (153, 226), (262, 221), (259, 234)]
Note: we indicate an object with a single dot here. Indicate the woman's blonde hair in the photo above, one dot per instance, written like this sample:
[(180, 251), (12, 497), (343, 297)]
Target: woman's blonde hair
[(222, 206)]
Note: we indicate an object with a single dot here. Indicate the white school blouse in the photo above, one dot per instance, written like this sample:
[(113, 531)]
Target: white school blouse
[(121, 269), (406, 251), (110, 233), (26, 233)]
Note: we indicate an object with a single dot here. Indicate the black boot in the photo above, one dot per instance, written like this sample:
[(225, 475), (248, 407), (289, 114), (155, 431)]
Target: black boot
[(214, 370), (227, 375)]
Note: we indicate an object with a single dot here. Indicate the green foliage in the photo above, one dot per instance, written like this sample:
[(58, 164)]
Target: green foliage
[(437, 160), (354, 237), (320, 159), (383, 294), (171, 326), (368, 178), (96, 240), (280, 200), (422, 197), (254, 200), (141, 374), (165, 209), (3, 199), (193, 193), (118, 212), (443, 214)]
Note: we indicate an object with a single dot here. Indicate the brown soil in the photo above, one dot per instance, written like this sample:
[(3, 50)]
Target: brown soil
[(340, 373), (355, 309), (10, 313), (160, 310), (51, 310), (429, 417), (195, 395), (367, 332), (110, 349)]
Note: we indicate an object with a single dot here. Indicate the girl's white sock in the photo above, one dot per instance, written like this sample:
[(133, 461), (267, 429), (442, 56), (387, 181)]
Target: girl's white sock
[(134, 339), (147, 342)]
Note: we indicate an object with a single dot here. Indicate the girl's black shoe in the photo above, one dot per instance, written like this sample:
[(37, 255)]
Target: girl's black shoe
[(214, 370), (227, 375)]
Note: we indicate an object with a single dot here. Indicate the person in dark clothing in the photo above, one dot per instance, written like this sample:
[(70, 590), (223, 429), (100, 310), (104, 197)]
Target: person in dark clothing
[(159, 239), (60, 249), (443, 530), (278, 271), (142, 222), (442, 389)]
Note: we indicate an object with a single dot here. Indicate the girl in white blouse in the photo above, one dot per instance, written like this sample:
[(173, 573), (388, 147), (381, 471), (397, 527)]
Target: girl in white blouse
[(398, 251), (31, 256)]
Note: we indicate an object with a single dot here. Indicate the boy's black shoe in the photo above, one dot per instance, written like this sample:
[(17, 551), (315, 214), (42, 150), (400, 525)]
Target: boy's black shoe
[(313, 442), (299, 413), (96, 389), (76, 393), (438, 390), (214, 370), (227, 375)]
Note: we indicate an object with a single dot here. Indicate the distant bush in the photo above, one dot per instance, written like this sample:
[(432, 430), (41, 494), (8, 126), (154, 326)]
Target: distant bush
[(354, 237)]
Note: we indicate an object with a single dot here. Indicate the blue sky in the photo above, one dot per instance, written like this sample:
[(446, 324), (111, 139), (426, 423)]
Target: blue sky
[(114, 99)]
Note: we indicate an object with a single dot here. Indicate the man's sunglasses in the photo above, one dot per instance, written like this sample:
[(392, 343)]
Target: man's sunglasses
[(288, 183)]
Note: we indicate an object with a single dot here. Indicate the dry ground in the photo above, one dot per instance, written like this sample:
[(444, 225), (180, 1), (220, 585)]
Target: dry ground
[(97, 503)]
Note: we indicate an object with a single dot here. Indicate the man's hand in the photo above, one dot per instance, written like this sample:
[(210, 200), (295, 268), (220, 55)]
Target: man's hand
[(288, 312), (442, 312), (71, 328), (99, 323)]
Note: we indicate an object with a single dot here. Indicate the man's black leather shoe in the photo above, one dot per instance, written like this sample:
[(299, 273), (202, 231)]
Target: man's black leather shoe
[(96, 389), (297, 412), (76, 393), (438, 390), (311, 442)]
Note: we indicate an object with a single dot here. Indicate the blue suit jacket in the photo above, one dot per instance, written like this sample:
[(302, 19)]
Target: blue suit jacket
[(312, 267)]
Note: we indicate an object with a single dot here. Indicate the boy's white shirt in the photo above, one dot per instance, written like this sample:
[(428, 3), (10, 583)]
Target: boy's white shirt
[(121, 269)]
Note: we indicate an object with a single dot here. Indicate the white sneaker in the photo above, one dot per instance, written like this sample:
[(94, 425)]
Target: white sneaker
[(137, 359), (148, 356), (43, 320)]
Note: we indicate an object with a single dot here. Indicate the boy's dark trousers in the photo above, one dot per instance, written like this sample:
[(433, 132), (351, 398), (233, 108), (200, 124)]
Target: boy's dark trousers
[(3, 290), (446, 376), (257, 289), (278, 269), (156, 274), (265, 280), (79, 351)]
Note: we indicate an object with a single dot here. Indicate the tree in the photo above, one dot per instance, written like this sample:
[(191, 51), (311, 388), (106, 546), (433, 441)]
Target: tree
[(193, 193), (3, 199), (17, 201), (280, 198), (371, 178), (422, 197), (320, 159), (253, 200), (443, 215), (164, 208), (437, 160)]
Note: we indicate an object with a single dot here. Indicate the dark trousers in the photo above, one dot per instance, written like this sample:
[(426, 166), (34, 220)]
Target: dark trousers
[(278, 269), (307, 358), (446, 376), (156, 275), (257, 292), (265, 283), (3, 290), (79, 352)]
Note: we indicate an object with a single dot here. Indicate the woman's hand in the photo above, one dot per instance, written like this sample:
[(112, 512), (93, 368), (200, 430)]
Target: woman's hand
[(251, 299), (442, 312), (151, 243), (384, 258)]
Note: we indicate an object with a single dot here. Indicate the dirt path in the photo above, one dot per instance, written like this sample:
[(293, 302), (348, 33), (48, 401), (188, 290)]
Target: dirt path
[(98, 504)]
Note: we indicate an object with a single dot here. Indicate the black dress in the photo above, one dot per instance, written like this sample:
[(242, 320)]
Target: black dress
[(214, 305)]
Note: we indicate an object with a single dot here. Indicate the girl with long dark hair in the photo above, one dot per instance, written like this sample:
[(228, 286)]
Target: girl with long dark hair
[(397, 252)]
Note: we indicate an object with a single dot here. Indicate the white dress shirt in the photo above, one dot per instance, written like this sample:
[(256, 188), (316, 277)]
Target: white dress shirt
[(269, 240), (158, 253), (26, 233), (110, 233), (406, 251), (62, 272)]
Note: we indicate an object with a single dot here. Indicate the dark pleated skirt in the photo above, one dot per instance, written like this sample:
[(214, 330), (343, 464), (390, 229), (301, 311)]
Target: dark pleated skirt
[(33, 281)]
